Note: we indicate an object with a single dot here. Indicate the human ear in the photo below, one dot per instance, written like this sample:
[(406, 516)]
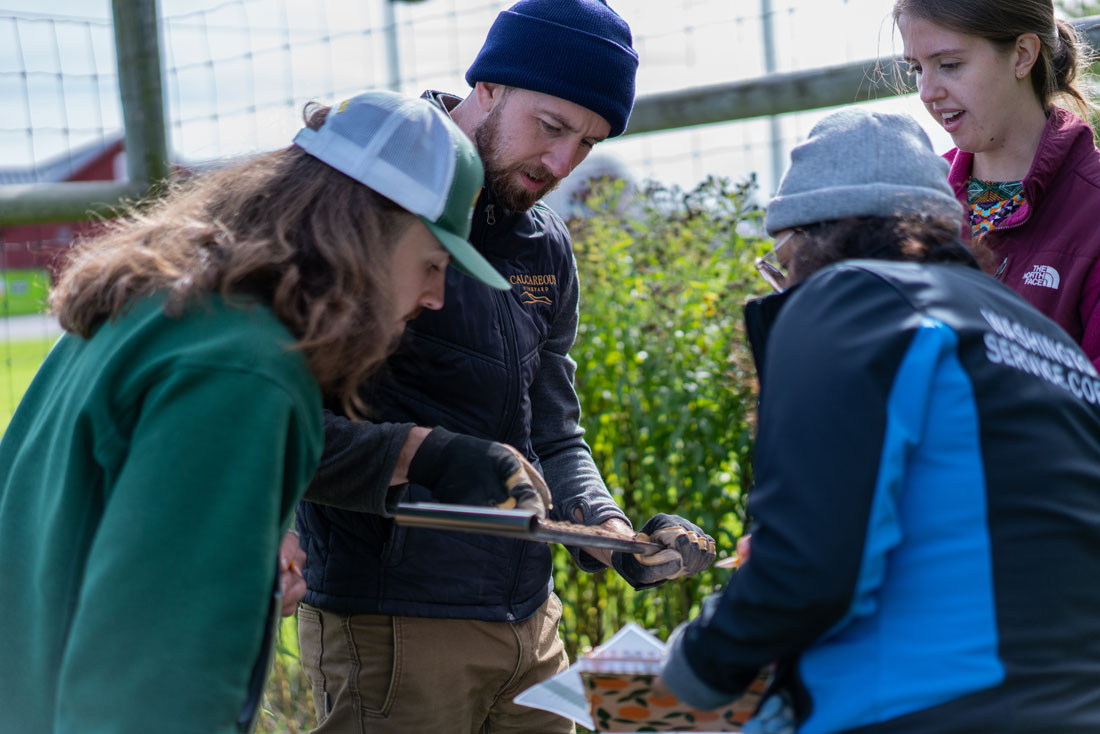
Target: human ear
[(488, 95), (1027, 53)]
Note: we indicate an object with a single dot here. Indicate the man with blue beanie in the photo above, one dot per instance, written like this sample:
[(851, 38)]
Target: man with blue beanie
[(418, 630)]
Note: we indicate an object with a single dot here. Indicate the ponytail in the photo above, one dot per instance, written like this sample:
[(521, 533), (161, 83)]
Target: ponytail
[(1056, 73)]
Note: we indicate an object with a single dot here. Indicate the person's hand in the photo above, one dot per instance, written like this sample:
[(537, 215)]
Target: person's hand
[(743, 545), (687, 551), (527, 489), (462, 469), (291, 560)]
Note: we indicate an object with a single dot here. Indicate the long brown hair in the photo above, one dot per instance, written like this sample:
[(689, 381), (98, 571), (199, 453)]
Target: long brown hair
[(1062, 55), (282, 228)]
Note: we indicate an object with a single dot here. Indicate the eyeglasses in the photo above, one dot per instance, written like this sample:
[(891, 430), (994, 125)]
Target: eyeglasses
[(771, 267)]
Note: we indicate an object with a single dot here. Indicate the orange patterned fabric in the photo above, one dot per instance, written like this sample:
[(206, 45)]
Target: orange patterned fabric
[(625, 702)]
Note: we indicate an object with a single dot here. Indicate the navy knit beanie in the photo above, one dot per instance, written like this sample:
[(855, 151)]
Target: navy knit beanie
[(578, 50)]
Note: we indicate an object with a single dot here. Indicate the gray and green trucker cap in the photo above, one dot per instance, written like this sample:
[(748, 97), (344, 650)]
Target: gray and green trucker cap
[(411, 152)]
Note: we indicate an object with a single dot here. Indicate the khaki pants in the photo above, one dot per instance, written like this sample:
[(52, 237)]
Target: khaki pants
[(412, 675)]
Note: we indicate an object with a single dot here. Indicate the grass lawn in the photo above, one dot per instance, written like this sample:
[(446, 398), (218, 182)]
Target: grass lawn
[(19, 360)]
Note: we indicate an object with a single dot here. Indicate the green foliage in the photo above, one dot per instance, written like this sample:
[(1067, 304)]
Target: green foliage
[(288, 703), (666, 383)]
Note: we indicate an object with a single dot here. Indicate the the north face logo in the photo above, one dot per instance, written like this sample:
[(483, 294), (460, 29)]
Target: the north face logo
[(1043, 275)]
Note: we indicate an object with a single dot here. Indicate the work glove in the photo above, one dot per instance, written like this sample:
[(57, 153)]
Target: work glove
[(527, 490), (688, 550), (461, 469)]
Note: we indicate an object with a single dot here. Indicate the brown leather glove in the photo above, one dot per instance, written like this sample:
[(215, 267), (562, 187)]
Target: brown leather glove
[(688, 550)]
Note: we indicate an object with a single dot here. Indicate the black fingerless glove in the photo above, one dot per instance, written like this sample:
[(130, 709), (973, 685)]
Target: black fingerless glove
[(461, 469)]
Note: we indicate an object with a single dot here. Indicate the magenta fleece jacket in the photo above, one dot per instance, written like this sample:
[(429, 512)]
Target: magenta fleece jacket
[(1047, 250)]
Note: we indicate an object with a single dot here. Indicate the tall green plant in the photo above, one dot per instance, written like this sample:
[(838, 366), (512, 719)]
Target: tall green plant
[(665, 381)]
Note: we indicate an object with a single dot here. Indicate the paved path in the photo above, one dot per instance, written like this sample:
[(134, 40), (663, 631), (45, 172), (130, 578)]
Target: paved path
[(18, 328)]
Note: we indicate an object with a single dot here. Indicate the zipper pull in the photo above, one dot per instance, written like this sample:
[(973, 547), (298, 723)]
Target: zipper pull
[(1001, 269), (490, 217)]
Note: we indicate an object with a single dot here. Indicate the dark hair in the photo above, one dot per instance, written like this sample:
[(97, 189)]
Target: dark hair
[(283, 228), (907, 238), (1062, 55)]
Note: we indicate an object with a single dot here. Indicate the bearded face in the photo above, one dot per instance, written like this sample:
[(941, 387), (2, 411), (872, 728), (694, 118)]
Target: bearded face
[(505, 178)]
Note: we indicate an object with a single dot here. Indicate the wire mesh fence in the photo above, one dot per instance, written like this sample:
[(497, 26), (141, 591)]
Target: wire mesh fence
[(236, 74)]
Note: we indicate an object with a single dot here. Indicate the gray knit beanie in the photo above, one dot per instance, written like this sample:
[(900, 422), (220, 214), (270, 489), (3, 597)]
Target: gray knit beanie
[(863, 164)]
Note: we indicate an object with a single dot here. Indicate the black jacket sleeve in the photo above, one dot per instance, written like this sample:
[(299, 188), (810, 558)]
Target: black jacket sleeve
[(357, 465)]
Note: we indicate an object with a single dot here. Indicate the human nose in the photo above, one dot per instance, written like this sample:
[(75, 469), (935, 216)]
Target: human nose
[(432, 297), (928, 89), (562, 159)]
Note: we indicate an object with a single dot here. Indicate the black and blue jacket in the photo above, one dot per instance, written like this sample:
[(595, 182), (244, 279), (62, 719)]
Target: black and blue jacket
[(491, 364), (927, 514)]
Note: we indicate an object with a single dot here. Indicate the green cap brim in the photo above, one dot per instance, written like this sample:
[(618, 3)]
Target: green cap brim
[(467, 259)]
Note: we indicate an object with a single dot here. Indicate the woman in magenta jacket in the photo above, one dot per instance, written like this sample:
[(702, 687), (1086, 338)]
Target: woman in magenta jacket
[(1028, 170)]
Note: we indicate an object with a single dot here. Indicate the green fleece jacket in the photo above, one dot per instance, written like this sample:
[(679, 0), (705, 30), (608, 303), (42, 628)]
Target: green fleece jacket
[(146, 479)]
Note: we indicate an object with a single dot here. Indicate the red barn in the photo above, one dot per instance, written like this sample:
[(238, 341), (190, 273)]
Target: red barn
[(35, 246)]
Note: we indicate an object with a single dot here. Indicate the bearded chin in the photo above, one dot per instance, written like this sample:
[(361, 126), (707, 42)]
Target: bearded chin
[(514, 196)]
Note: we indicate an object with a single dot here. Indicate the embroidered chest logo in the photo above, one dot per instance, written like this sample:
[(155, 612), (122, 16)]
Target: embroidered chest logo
[(1043, 275), (535, 288)]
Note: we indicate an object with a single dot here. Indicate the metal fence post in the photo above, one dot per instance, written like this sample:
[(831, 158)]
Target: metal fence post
[(137, 45), (774, 129)]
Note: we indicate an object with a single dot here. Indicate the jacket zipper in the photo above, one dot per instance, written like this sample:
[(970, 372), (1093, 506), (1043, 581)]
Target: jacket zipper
[(510, 417), (511, 616), (508, 325), (512, 398)]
